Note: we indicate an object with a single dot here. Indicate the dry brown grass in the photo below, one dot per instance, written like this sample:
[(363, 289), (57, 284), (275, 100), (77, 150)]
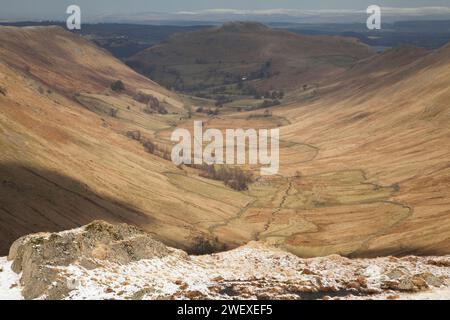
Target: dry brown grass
[(364, 167)]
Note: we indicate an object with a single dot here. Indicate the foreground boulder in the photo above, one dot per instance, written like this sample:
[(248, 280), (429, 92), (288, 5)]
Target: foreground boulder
[(104, 261), (38, 256)]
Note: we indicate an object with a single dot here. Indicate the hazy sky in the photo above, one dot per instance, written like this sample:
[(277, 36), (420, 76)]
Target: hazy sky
[(55, 9)]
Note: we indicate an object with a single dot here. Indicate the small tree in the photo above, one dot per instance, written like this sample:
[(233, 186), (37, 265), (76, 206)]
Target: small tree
[(149, 146), (135, 135), (154, 106), (118, 86), (113, 112), (267, 114)]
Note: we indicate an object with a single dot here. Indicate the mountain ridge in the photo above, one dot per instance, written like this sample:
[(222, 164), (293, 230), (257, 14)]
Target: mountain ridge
[(268, 59)]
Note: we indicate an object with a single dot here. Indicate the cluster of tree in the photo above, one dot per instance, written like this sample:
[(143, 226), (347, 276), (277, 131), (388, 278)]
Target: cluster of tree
[(205, 244), (231, 78), (141, 97), (274, 95), (208, 111), (152, 104), (258, 94), (135, 135), (263, 73), (266, 114), (233, 177), (151, 147), (118, 86), (163, 151), (269, 103), (221, 100)]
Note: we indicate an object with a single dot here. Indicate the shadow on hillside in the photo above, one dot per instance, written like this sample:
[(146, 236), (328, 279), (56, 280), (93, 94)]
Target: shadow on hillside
[(37, 200)]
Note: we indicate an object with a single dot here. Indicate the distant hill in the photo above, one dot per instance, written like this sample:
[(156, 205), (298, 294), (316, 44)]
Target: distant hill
[(248, 55)]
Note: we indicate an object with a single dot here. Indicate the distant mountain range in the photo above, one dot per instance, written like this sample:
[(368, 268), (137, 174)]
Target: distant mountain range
[(212, 16), (220, 15)]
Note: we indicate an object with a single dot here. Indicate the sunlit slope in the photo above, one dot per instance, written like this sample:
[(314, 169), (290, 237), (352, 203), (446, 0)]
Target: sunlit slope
[(62, 165), (66, 61), (364, 163), (364, 166), (390, 122)]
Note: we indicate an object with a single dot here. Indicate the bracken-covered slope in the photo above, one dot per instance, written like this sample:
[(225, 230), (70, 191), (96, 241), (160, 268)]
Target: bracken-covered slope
[(272, 59), (63, 165), (365, 163), (65, 61), (381, 176), (364, 166)]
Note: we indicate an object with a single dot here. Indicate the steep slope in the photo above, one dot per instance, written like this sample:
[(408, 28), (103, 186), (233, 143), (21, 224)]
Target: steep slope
[(66, 61), (268, 59), (364, 163), (383, 126), (63, 165)]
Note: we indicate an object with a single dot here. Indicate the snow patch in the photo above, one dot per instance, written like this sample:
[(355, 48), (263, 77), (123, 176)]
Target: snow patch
[(9, 282)]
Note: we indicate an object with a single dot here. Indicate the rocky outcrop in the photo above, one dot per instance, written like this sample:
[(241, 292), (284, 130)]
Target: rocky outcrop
[(39, 257), (104, 261)]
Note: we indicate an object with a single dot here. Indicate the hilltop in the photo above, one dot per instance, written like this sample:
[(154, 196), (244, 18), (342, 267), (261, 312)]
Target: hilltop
[(65, 61), (247, 55)]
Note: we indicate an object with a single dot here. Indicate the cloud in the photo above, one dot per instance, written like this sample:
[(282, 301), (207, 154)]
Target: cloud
[(420, 11), (219, 15)]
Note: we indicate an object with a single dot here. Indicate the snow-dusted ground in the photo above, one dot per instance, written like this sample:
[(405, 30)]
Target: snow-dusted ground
[(252, 272), (9, 282), (437, 294), (255, 271)]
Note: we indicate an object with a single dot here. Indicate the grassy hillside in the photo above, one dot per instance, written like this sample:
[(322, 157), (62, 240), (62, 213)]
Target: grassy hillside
[(364, 165), (219, 58), (64, 163), (364, 162), (389, 121)]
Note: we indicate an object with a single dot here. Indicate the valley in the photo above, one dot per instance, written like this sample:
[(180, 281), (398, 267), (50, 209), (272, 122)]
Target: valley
[(364, 146), (245, 61)]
